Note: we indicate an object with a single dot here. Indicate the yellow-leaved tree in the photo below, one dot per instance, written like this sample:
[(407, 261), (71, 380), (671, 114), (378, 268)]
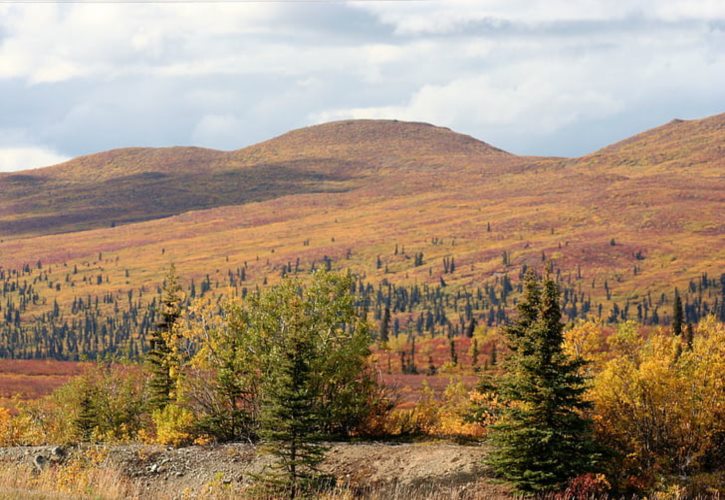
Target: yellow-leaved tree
[(660, 403)]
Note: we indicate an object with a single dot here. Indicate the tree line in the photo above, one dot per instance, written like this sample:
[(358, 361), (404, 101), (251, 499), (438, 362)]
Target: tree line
[(33, 325)]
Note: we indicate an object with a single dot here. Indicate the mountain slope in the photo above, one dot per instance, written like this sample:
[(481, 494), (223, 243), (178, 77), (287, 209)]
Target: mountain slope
[(678, 144), (395, 203), (134, 184)]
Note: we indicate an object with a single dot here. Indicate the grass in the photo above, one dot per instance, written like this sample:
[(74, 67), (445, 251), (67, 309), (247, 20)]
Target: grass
[(80, 478), (32, 379)]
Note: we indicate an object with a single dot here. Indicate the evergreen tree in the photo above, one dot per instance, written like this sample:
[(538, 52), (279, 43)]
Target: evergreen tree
[(453, 353), (474, 353), (385, 326), (541, 440), (159, 357), (86, 421), (471, 328), (290, 420), (677, 315)]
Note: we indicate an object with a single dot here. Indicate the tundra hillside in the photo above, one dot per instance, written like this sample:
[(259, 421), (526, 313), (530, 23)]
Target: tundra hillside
[(438, 223)]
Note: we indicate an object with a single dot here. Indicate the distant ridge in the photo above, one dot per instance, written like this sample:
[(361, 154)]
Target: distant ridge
[(133, 184), (678, 142), (127, 185)]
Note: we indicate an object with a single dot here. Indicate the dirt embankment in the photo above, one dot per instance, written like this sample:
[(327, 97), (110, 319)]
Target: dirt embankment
[(366, 470)]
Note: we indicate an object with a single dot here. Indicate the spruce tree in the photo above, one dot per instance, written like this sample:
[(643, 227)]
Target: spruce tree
[(290, 420), (385, 326), (677, 315), (541, 440), (86, 421), (689, 335), (158, 359)]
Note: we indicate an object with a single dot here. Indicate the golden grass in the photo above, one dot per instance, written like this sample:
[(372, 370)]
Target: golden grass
[(67, 482)]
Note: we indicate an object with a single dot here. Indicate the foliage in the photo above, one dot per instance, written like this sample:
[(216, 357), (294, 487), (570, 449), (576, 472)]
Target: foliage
[(587, 485), (174, 425), (220, 383), (6, 427), (235, 345), (541, 440), (313, 353), (161, 364), (339, 342), (662, 406), (584, 341), (454, 412), (105, 403)]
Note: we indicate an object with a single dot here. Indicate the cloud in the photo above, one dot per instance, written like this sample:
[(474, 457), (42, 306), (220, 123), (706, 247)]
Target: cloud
[(218, 130), (500, 15), (522, 97), (528, 76), (21, 158)]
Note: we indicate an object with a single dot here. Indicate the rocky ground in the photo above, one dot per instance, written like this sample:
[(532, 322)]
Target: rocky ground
[(380, 470)]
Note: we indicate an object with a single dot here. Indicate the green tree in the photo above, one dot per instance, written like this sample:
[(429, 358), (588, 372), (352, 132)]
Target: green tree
[(677, 315), (385, 326), (86, 420), (541, 440), (315, 378), (290, 420), (159, 358)]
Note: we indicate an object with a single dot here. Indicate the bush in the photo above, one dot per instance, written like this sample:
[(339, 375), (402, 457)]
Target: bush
[(661, 407), (174, 425), (105, 403)]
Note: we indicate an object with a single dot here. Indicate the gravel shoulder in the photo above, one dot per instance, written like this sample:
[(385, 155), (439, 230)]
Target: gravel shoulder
[(431, 469)]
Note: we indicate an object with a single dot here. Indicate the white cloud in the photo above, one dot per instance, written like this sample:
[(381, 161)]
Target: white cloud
[(218, 130), (453, 15), (22, 158), (528, 98), (50, 43), (518, 73)]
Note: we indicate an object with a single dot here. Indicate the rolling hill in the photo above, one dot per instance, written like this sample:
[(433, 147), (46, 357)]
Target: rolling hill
[(135, 184), (394, 202)]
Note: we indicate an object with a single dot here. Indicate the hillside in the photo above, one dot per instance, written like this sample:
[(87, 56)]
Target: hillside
[(135, 184), (392, 201), (679, 144)]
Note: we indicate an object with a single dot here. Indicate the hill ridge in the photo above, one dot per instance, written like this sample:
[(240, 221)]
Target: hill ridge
[(381, 157)]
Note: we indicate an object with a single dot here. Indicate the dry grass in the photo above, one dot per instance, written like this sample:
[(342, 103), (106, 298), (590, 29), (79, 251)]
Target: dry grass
[(32, 379), (111, 484), (66, 482)]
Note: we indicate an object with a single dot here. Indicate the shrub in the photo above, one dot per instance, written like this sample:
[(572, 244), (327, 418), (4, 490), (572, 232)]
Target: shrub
[(662, 407), (174, 425), (105, 403)]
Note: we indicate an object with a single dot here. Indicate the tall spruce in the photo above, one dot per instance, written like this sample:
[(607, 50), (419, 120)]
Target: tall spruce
[(86, 420), (677, 314), (542, 439), (385, 325), (290, 420), (159, 358)]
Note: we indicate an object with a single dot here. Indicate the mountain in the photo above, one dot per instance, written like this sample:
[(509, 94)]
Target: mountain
[(679, 144), (135, 184), (394, 202)]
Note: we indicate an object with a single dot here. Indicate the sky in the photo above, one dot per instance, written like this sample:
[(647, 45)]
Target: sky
[(541, 77)]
